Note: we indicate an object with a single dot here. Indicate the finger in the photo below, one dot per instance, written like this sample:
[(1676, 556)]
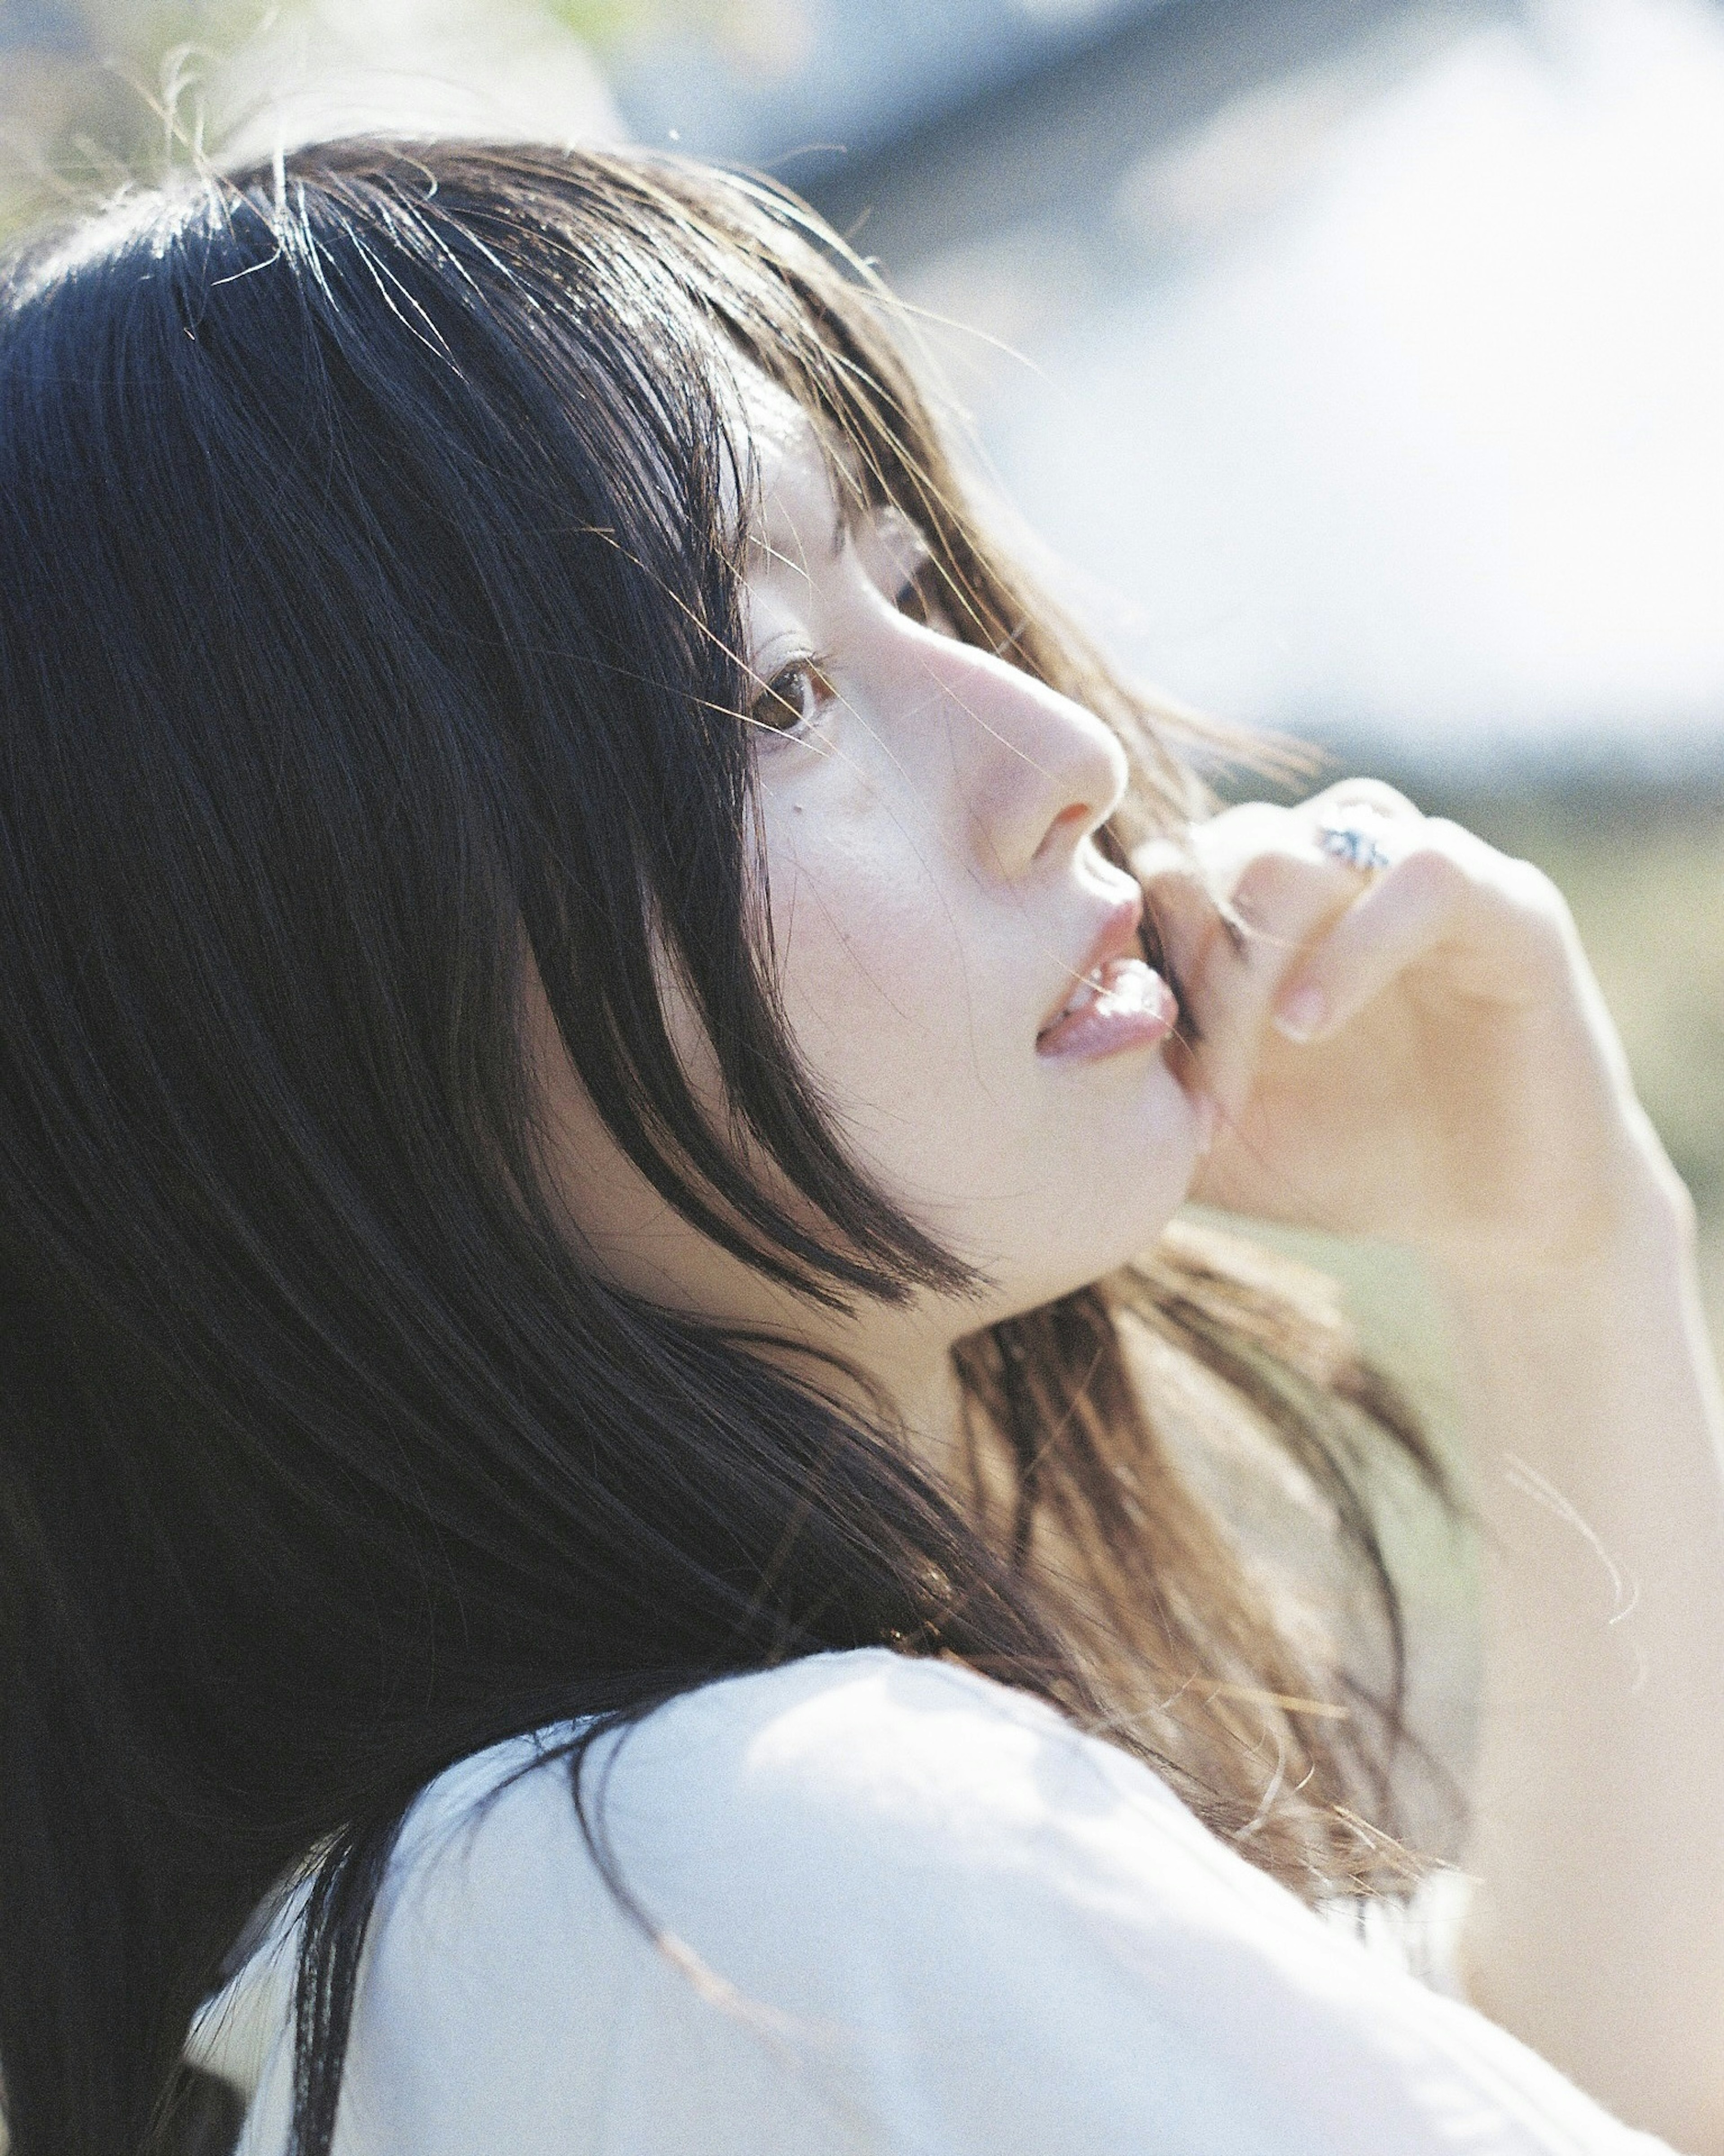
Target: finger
[(1283, 902), (1241, 901), (1183, 909), (1224, 846), (1392, 924), (1370, 794), (1236, 899), (1359, 823)]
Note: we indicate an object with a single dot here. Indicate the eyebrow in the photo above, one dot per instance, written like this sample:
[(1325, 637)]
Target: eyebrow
[(849, 495), (848, 512)]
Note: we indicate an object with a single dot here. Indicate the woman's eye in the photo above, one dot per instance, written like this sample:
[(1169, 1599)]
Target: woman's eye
[(922, 596), (794, 697)]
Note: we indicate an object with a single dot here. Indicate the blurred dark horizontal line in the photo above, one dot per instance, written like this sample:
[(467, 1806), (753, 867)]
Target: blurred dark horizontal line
[(871, 76), (1054, 136)]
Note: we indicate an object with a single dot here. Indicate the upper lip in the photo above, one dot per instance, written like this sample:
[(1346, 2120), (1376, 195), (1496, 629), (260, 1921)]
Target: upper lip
[(1116, 937)]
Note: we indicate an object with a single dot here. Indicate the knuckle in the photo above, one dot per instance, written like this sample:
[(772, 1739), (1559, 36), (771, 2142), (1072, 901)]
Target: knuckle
[(1236, 835), (1431, 871), (1367, 793), (1511, 903), (1530, 887), (1502, 879), (1163, 861)]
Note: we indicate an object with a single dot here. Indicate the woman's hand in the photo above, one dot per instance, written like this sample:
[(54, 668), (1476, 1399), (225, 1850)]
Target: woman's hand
[(1419, 1051)]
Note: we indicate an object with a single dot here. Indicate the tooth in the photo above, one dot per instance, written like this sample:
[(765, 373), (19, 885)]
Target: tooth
[(1133, 988)]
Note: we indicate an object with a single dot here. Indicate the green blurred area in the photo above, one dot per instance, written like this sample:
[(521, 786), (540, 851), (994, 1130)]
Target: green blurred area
[(1643, 869)]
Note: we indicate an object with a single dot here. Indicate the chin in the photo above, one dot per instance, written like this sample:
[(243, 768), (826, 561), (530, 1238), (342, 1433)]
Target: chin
[(1106, 1219), (1141, 1138)]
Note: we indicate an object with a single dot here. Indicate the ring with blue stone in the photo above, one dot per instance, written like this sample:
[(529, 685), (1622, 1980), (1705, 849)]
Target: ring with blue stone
[(1354, 846)]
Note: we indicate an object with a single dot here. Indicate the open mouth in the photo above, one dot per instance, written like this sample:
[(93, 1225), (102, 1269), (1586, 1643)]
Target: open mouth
[(1124, 1003), (1128, 996)]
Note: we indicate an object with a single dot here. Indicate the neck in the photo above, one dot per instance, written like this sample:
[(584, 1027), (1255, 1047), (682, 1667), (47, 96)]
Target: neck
[(908, 1362), (929, 1400)]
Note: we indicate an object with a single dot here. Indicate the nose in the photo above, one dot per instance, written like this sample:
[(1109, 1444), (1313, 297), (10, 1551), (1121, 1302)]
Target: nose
[(1036, 773)]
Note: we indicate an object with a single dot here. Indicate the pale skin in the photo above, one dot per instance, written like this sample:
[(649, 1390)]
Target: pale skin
[(1419, 1054)]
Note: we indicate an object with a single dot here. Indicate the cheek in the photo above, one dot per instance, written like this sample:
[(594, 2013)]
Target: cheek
[(913, 998), (874, 965), (906, 995)]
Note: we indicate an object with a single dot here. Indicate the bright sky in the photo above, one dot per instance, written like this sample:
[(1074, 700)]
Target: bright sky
[(1432, 439)]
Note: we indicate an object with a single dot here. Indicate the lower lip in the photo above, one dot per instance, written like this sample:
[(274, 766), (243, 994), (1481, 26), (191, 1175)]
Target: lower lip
[(1135, 1008)]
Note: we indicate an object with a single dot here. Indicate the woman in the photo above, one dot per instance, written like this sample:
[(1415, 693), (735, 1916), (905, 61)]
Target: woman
[(608, 1542)]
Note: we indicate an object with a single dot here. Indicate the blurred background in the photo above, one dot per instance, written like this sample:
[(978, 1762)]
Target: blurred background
[(1360, 363)]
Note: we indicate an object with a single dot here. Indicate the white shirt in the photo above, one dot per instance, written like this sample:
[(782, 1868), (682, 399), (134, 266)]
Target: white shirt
[(907, 1912)]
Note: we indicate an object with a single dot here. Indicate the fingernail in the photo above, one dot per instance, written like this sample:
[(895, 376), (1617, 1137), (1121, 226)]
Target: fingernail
[(1301, 1015)]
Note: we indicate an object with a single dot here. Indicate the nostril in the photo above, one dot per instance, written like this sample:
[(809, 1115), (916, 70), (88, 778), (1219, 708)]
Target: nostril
[(1072, 823)]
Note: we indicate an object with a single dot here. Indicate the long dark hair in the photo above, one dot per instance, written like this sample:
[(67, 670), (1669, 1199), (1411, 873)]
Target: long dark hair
[(368, 619)]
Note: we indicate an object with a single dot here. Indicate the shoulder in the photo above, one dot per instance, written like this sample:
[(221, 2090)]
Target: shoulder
[(868, 1764), (801, 1829), (866, 1901)]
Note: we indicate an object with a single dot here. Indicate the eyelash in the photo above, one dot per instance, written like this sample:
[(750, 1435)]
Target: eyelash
[(920, 596), (780, 714)]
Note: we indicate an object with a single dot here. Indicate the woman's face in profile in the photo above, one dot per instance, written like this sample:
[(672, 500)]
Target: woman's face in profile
[(937, 898)]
